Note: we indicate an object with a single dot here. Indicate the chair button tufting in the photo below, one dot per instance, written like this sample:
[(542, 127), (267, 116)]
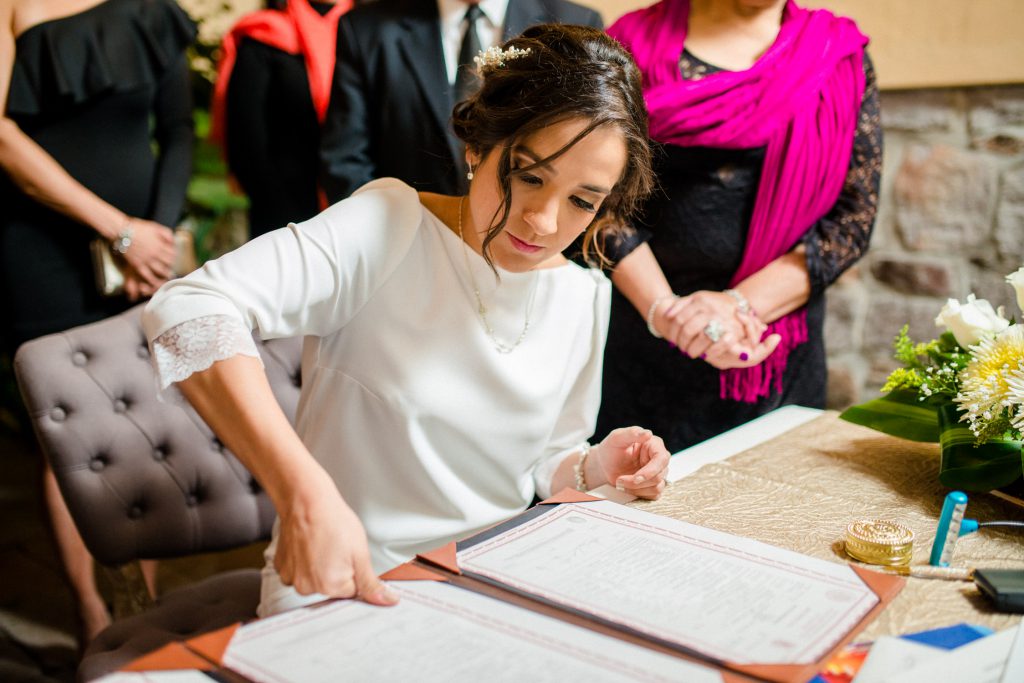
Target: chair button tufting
[(97, 463), (79, 358), (159, 453), (120, 406), (192, 500), (135, 512), (58, 414), (143, 351)]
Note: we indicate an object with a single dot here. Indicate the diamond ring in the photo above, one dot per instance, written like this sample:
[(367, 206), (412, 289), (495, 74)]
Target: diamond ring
[(713, 331)]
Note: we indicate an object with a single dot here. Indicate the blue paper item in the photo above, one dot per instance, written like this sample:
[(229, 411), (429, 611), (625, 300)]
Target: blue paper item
[(949, 637)]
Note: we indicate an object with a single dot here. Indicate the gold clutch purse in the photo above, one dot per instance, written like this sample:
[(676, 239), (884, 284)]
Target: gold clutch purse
[(108, 267)]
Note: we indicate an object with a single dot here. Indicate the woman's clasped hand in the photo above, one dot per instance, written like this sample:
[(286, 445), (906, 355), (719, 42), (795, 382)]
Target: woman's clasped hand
[(150, 258), (713, 327)]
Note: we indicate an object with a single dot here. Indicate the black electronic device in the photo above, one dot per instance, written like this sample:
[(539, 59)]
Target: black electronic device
[(1005, 587)]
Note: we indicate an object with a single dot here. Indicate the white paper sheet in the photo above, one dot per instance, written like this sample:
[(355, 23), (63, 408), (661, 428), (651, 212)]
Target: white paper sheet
[(890, 655), (439, 633), (730, 598), (980, 661), (182, 676), (1013, 672)]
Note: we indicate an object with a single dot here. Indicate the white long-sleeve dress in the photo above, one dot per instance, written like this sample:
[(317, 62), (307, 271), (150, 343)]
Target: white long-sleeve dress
[(428, 430)]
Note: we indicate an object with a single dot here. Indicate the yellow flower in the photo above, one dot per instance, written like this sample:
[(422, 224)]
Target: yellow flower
[(994, 380)]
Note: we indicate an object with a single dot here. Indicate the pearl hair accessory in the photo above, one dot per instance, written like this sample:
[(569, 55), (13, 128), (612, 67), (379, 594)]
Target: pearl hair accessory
[(494, 57)]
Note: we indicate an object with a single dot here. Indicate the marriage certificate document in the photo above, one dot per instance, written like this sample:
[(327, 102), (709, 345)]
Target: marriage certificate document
[(438, 634), (719, 596)]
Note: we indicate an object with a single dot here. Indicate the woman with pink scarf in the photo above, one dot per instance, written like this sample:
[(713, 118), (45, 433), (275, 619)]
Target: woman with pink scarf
[(767, 119)]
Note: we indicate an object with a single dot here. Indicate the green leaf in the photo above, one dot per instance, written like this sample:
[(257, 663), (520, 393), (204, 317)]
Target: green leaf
[(966, 466), (898, 413)]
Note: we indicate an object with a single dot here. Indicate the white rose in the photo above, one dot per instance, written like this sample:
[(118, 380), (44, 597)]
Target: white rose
[(1016, 281), (971, 321)]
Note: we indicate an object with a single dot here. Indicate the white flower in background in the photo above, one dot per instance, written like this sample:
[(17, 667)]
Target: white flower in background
[(971, 322), (994, 380), (1016, 280), (215, 17)]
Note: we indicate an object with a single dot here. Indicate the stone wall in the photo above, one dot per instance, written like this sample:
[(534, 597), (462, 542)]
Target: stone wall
[(950, 222)]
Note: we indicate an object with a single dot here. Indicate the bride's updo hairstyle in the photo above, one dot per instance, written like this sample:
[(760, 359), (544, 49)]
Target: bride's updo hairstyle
[(566, 72)]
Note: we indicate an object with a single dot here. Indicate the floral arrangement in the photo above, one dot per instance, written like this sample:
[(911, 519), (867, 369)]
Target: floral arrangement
[(964, 389)]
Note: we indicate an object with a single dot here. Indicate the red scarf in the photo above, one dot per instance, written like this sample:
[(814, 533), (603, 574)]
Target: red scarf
[(299, 29), (801, 99)]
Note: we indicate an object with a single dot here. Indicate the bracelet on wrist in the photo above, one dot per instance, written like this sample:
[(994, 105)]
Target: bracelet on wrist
[(121, 243), (581, 478), (742, 305), (654, 309)]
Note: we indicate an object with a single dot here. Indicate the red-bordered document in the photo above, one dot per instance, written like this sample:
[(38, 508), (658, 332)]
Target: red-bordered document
[(727, 598)]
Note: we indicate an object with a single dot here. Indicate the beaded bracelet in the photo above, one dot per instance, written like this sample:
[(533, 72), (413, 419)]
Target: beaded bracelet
[(581, 479), (741, 301), (120, 244), (653, 309)]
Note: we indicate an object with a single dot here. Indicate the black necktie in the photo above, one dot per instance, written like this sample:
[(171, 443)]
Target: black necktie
[(466, 81)]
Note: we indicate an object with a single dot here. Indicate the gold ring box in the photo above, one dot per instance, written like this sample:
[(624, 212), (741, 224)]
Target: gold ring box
[(879, 541)]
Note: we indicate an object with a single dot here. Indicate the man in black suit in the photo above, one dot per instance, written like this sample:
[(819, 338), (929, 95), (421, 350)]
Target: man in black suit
[(393, 88)]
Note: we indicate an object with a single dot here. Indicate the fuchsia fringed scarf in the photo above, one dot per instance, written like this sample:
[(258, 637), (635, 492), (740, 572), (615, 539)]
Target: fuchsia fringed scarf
[(801, 100)]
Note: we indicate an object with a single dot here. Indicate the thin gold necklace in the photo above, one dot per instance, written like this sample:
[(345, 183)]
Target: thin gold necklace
[(482, 310)]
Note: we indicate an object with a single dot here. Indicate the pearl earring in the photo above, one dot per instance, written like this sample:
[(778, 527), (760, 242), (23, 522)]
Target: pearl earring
[(469, 175)]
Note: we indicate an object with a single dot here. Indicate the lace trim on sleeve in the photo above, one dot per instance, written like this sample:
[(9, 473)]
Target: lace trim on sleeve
[(839, 239), (197, 344)]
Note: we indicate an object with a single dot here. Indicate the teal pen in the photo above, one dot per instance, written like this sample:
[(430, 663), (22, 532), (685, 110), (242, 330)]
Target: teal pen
[(948, 531)]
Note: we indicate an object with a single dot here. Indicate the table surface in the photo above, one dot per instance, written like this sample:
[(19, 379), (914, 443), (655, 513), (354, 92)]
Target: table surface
[(796, 477)]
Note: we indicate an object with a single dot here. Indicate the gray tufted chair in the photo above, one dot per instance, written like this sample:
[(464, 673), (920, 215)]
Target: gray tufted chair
[(146, 479)]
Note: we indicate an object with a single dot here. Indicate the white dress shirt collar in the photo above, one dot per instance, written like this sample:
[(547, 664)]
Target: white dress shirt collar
[(489, 28)]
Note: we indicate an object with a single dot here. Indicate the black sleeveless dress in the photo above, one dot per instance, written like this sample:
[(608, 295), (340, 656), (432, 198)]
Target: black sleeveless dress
[(106, 93), (696, 223)]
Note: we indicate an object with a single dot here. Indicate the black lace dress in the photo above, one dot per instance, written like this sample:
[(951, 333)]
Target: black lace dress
[(106, 93), (696, 224)]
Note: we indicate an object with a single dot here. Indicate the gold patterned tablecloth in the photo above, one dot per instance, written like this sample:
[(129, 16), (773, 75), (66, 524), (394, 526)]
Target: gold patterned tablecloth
[(801, 489)]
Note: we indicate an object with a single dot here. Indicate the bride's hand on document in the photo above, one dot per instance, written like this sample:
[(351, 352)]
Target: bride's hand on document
[(322, 548), (634, 460)]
